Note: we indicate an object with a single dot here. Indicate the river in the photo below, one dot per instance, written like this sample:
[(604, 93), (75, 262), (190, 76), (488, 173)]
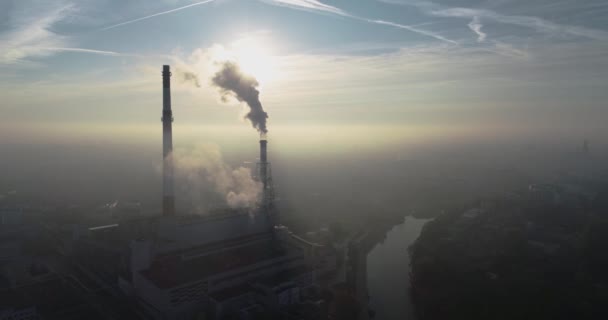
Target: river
[(388, 272)]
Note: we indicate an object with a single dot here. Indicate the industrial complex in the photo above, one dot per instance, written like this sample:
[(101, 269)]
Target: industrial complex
[(228, 264), (225, 264)]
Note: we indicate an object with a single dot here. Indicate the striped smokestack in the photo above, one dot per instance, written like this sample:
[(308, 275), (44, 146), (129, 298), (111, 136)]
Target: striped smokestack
[(168, 197)]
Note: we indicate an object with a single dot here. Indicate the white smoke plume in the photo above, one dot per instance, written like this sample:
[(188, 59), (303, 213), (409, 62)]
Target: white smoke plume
[(203, 167)]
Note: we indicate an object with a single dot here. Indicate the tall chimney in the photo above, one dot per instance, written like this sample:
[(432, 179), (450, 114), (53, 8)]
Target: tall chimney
[(264, 164), (168, 197), (267, 203)]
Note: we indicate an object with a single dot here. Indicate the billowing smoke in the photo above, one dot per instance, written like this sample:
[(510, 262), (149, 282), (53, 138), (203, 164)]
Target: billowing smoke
[(203, 166), (189, 77), (231, 81)]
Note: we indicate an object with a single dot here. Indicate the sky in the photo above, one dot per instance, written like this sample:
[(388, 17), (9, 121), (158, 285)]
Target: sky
[(355, 68)]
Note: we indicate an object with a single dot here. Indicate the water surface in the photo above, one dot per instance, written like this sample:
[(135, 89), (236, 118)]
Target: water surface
[(388, 272)]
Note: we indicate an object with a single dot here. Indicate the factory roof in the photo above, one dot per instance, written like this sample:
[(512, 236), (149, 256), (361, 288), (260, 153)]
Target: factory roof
[(229, 293), (171, 271), (219, 244), (217, 214)]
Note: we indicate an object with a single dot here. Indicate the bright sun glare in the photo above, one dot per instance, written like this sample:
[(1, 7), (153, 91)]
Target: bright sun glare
[(254, 59)]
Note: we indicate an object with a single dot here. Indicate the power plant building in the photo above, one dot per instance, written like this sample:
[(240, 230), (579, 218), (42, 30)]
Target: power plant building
[(244, 268), (237, 263)]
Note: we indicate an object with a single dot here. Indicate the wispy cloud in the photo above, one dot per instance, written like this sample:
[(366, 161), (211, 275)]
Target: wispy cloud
[(475, 25), (413, 29), (27, 34), (508, 50), (157, 14), (31, 34), (536, 23), (311, 5), (532, 22), (411, 76), (316, 6)]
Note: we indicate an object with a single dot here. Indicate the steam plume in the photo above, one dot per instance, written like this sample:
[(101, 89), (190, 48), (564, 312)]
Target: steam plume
[(203, 166), (231, 80)]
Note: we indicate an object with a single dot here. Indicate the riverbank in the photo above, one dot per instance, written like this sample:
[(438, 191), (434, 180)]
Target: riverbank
[(535, 254)]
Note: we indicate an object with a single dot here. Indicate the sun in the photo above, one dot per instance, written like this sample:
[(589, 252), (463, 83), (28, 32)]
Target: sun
[(255, 59)]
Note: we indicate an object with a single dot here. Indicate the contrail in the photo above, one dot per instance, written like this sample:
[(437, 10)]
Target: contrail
[(410, 28), (533, 22), (102, 52), (316, 6), (156, 15)]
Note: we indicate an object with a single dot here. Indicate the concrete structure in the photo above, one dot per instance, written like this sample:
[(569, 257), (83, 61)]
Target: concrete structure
[(264, 173), (264, 161), (167, 119), (229, 262), (237, 267)]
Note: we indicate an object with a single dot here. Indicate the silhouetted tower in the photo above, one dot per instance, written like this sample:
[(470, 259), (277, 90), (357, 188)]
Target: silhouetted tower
[(265, 177), (167, 119)]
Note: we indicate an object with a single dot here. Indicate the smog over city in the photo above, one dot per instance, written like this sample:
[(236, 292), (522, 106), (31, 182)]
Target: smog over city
[(303, 159)]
